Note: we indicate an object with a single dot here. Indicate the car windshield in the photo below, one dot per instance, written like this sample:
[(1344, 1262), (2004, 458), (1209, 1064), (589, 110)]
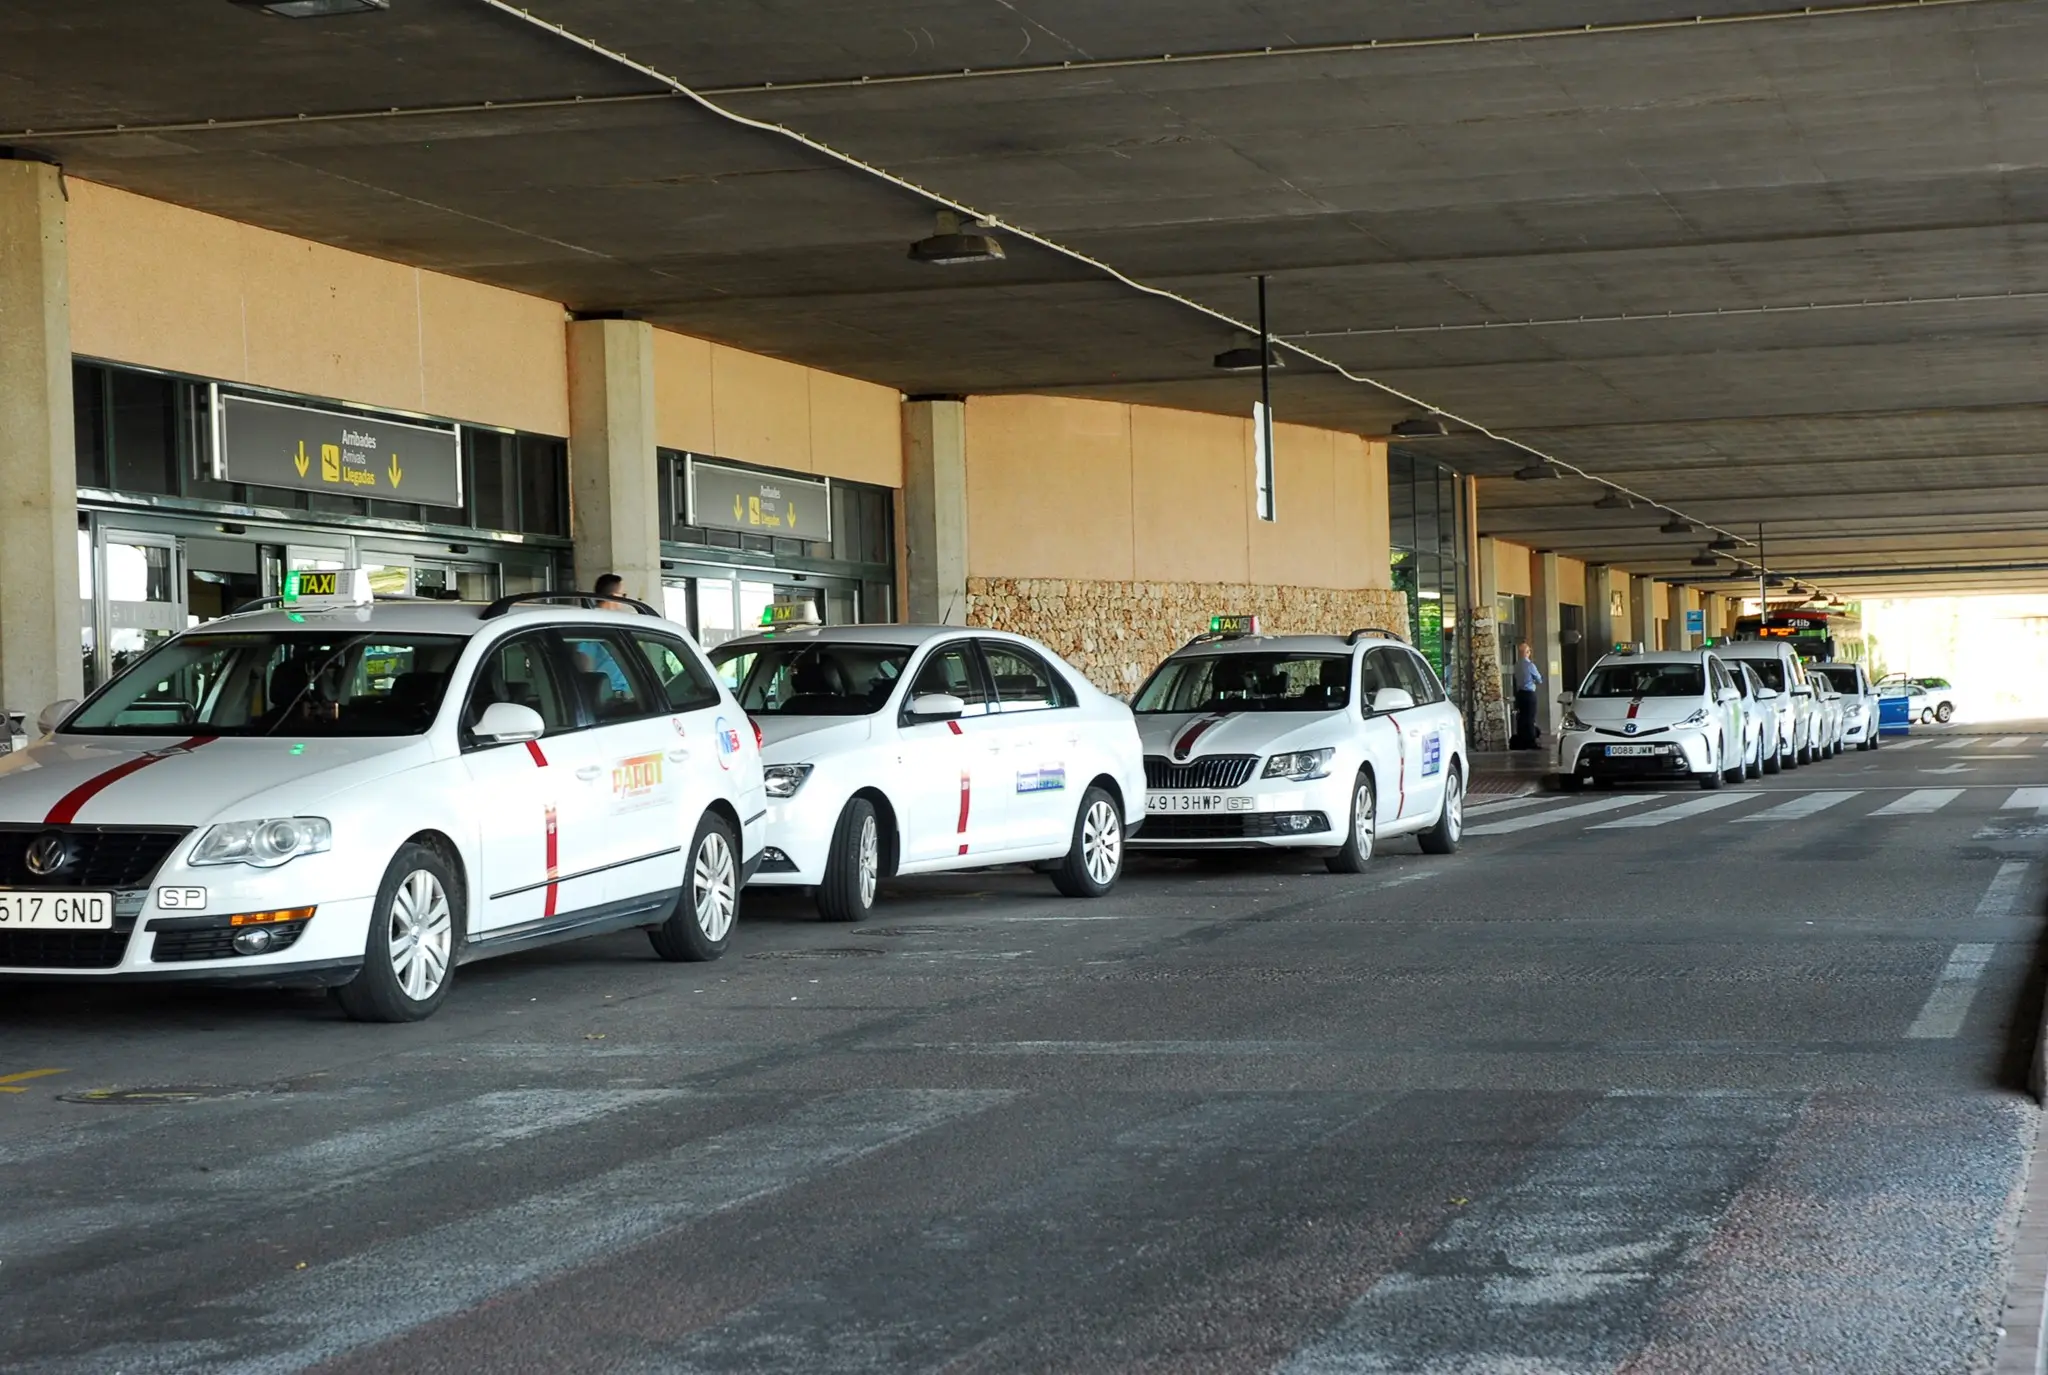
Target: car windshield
[(1843, 676), (1644, 680), (811, 678), (1771, 672), (286, 682), (1248, 681), (1937, 684)]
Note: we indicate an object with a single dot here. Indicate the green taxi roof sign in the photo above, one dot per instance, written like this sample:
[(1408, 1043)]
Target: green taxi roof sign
[(776, 615), (308, 589), (1233, 625)]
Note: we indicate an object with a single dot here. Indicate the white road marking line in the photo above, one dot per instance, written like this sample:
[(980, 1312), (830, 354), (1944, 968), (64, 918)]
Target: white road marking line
[(1920, 802), (2002, 898), (1799, 806), (2033, 800), (377, 1294), (1901, 744), (1505, 804), (1665, 815), (1525, 823), (1941, 1017), (2007, 742), (1958, 744), (1560, 1271)]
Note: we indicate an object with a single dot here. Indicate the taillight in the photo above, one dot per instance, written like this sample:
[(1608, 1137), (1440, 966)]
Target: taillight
[(759, 743)]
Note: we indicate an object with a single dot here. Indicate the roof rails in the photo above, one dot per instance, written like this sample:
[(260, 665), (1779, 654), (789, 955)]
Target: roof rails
[(1355, 636), (589, 601)]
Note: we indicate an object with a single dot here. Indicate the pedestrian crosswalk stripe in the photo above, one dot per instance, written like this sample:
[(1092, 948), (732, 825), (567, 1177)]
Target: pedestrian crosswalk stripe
[(1961, 743), (1801, 806), (2002, 898), (1919, 802), (2033, 800), (1665, 815), (2008, 742), (1954, 990), (1901, 744), (1494, 806), (1524, 823)]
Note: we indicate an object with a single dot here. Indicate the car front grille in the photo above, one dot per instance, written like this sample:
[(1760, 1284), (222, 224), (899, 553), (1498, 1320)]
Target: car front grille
[(1232, 826), (104, 857), (1212, 771), (63, 949)]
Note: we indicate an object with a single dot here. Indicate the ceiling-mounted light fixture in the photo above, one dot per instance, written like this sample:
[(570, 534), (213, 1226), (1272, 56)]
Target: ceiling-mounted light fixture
[(1417, 427), (313, 9), (1723, 543), (1774, 580), (1243, 355), (1535, 472), (1613, 500), (959, 242), (1703, 559), (1677, 525)]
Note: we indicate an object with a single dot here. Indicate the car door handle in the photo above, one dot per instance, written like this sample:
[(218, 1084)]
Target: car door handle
[(679, 754), (589, 771)]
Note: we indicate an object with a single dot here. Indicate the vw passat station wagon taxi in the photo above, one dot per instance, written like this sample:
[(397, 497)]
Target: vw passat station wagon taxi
[(1320, 742), (1668, 714), (900, 749), (367, 795)]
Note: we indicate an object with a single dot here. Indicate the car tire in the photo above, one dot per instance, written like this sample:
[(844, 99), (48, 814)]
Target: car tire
[(1926, 716), (1773, 762), (708, 904), (853, 866), (1712, 779), (1362, 831), (1443, 837), (1945, 712), (415, 924), (1736, 773), (1753, 766), (1876, 738), (1095, 860)]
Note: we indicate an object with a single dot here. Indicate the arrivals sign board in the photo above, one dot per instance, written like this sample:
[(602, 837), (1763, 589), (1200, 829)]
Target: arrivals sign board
[(276, 444), (723, 498)]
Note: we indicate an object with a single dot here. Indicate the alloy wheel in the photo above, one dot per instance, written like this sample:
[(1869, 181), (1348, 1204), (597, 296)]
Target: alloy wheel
[(421, 932), (714, 886), (1454, 805), (1361, 820), (870, 860), (1102, 842)]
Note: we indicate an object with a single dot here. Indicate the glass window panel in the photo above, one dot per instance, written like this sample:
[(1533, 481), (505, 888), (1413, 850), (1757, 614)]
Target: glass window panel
[(89, 423), (520, 671), (609, 691), (951, 669), (491, 495), (143, 432), (543, 484)]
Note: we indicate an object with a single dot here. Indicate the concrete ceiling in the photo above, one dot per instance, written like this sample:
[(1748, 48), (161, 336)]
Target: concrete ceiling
[(1789, 268)]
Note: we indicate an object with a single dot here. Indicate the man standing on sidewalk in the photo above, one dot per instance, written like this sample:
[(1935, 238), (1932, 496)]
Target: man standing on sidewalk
[(1528, 678)]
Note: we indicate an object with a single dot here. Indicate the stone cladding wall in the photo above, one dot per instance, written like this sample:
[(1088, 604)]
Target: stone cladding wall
[(1117, 632), (1489, 713)]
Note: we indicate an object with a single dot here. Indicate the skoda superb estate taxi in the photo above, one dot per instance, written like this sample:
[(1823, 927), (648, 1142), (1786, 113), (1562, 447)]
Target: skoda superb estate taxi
[(1305, 741), (368, 795), (901, 749)]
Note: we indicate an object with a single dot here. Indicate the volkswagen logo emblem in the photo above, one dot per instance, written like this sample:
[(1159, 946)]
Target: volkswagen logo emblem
[(1628, 728), (46, 855)]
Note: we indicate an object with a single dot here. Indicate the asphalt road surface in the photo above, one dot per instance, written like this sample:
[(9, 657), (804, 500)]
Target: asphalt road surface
[(1644, 1081)]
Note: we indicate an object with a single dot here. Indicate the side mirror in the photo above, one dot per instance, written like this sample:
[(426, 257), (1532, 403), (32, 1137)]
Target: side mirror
[(1567, 698), (1729, 694), (1392, 699), (936, 706), (1802, 691), (507, 723), (54, 714), (1767, 694)]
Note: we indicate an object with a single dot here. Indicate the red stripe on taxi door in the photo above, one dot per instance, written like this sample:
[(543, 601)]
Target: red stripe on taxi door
[(554, 866), (533, 748), (67, 808), (966, 801)]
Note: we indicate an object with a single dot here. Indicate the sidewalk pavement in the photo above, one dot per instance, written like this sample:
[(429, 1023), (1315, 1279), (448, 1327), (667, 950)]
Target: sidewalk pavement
[(1507, 773)]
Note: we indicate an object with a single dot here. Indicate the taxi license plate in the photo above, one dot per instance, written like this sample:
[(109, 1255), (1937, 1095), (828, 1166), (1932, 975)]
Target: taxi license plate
[(1616, 750), (56, 911), (1184, 802)]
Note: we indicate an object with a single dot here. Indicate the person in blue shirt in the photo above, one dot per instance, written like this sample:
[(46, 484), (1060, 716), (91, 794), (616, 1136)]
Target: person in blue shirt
[(1528, 678)]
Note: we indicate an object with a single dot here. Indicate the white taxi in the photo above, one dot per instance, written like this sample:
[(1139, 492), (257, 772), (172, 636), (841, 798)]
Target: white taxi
[(1299, 741), (365, 796), (903, 749), (1669, 714)]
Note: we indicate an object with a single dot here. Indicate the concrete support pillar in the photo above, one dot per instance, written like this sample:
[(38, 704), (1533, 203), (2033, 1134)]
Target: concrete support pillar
[(614, 480), (1683, 600), (1600, 627), (1544, 646), (1490, 708), (935, 512), (40, 636), (1644, 602)]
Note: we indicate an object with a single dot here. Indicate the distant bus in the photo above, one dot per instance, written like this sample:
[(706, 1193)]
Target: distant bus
[(1824, 636)]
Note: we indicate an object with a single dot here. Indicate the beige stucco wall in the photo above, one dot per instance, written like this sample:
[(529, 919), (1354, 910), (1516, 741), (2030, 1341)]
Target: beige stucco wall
[(1571, 581), (1511, 568), (710, 399), (1059, 488), (161, 286)]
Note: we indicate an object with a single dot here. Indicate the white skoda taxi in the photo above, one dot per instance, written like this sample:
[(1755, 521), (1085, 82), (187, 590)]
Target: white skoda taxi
[(1669, 714), (902, 749), (1323, 742), (366, 796)]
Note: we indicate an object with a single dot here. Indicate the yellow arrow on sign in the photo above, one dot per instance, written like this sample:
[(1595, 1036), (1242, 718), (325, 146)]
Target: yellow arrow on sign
[(396, 471), (789, 514), (301, 461), (739, 510)]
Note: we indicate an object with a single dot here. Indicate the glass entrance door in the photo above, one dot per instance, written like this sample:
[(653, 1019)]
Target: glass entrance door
[(141, 595), (720, 604)]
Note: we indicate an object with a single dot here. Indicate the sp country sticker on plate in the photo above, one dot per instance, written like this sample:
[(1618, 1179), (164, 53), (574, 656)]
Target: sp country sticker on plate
[(1046, 778)]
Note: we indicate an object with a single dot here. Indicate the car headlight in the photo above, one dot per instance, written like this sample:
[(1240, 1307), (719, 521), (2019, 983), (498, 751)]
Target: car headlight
[(1698, 718), (784, 780), (1572, 722), (1301, 765), (265, 844)]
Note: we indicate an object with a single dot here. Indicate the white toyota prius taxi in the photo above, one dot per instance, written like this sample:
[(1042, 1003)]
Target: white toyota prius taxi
[(1310, 741), (902, 749), (366, 796), (1668, 714)]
